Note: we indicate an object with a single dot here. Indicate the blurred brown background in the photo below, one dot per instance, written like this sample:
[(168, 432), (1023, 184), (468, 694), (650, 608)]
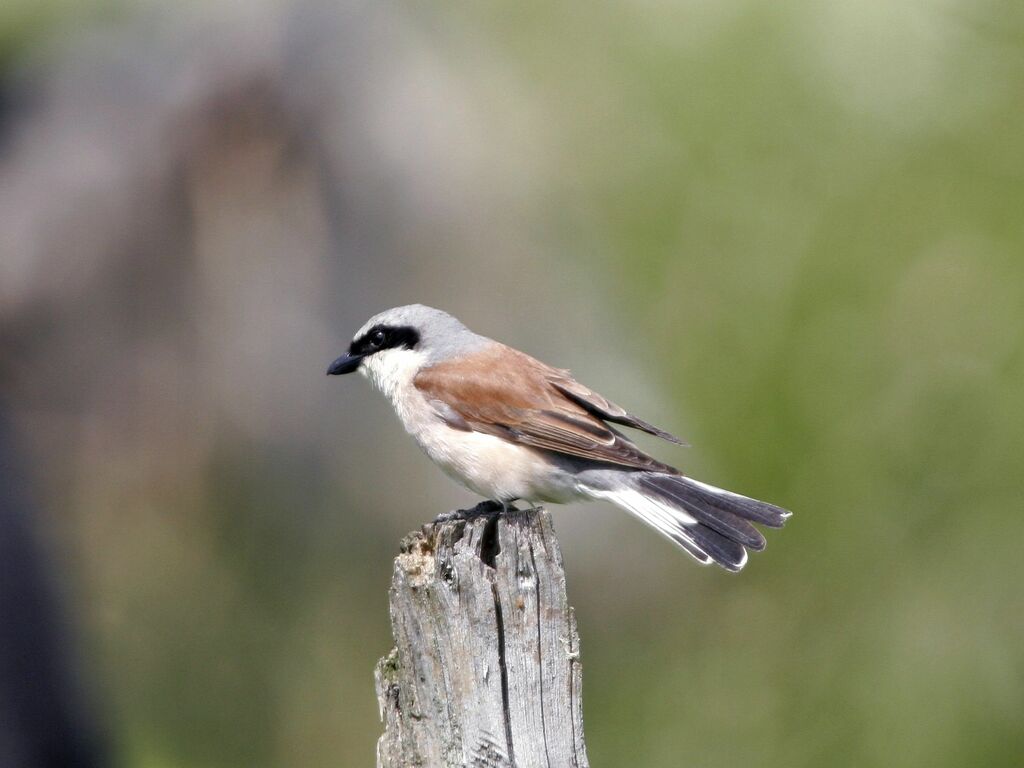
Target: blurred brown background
[(792, 233)]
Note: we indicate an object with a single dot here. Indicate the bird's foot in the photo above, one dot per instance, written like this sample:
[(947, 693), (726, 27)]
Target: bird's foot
[(483, 509)]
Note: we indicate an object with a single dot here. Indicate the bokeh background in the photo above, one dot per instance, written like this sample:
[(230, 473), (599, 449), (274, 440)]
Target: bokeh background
[(791, 232)]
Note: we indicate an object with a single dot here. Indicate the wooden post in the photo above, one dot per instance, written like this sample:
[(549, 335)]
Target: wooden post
[(485, 670)]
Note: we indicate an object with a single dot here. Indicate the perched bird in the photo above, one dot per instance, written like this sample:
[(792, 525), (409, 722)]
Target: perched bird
[(509, 427)]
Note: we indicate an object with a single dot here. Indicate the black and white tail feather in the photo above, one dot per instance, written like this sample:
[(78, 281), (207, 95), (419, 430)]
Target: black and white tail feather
[(710, 524)]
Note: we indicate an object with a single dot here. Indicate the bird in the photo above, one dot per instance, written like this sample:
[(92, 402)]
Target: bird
[(509, 427)]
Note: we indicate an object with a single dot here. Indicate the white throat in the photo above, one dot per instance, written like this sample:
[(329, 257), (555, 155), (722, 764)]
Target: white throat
[(391, 371)]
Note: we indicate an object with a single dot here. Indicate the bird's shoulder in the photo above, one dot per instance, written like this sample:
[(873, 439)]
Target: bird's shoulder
[(495, 375)]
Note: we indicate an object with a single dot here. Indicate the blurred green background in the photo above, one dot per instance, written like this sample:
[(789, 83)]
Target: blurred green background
[(792, 232)]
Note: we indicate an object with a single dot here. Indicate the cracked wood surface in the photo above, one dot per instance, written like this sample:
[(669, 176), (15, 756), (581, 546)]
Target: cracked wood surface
[(485, 670)]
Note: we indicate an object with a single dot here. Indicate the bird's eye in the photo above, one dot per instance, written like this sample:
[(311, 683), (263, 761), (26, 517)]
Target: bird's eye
[(378, 337)]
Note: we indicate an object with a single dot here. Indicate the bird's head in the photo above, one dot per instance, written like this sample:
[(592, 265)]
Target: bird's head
[(394, 345)]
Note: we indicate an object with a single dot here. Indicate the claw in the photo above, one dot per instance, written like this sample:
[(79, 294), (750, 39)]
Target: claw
[(484, 508)]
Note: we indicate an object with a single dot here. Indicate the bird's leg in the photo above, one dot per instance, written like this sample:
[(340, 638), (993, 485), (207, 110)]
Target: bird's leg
[(484, 508)]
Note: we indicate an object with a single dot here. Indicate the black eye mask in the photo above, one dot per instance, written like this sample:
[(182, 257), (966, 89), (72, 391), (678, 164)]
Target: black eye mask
[(378, 338)]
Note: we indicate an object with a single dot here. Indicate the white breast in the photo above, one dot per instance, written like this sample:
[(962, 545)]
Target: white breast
[(487, 465)]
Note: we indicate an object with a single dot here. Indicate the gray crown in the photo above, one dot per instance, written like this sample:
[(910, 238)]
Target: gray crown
[(441, 335)]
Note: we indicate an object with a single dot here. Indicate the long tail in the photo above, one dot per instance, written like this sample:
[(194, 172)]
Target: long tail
[(709, 523)]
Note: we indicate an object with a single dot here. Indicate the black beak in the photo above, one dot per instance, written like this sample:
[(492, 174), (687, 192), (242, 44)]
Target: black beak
[(344, 364)]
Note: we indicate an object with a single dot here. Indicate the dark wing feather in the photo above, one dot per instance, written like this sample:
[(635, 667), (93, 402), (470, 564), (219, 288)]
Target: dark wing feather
[(605, 409), (506, 393)]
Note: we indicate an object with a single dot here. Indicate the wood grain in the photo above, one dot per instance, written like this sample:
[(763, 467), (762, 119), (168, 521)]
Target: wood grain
[(485, 671)]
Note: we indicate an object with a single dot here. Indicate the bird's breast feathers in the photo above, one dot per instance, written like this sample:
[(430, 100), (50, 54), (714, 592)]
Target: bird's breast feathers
[(485, 463)]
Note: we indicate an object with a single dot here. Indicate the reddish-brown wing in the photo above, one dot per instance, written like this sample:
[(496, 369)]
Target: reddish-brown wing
[(503, 392)]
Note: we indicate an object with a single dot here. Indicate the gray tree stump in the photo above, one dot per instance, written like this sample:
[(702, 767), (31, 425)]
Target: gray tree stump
[(485, 670)]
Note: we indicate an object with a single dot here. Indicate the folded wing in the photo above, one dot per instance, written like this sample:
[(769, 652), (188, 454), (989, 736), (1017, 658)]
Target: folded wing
[(503, 392)]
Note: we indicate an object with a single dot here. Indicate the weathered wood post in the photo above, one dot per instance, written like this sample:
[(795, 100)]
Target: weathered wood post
[(485, 670)]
